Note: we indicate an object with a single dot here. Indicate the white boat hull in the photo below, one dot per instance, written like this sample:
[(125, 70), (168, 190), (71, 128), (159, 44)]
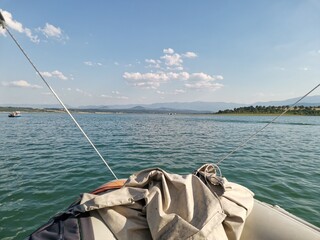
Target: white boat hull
[(267, 222)]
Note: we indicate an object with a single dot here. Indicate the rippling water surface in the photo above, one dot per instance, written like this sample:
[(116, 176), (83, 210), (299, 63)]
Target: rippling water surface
[(45, 162)]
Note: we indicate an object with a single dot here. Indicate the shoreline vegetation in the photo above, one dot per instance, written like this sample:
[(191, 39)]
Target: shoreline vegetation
[(251, 110), (273, 110)]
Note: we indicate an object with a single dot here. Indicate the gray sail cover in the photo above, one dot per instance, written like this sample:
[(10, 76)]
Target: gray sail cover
[(154, 204)]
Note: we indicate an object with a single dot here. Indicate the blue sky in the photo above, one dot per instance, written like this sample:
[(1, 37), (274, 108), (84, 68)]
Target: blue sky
[(121, 52)]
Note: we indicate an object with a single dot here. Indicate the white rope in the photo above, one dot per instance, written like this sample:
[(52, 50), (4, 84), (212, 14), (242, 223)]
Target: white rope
[(261, 129), (57, 97)]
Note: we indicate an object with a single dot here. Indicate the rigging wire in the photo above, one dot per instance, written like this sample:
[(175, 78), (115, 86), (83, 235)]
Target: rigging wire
[(244, 142), (3, 24)]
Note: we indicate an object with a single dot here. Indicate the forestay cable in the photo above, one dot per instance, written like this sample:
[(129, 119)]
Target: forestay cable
[(3, 24), (261, 129)]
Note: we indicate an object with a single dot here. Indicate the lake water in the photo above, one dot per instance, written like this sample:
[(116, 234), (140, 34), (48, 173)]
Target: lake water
[(45, 162)]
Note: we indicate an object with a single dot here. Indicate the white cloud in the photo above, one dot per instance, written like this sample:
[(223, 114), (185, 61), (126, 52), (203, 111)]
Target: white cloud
[(89, 63), (17, 26), (314, 52), (114, 95), (178, 76), (190, 55), (46, 93), (201, 76), (204, 81), (20, 84), (145, 80), (59, 75), (46, 74), (51, 31), (160, 92), (280, 68), (204, 85), (153, 80), (172, 59), (180, 68), (122, 97), (56, 74), (168, 50), (146, 76), (171, 69), (153, 63), (175, 92), (305, 69), (165, 76), (179, 91), (156, 77), (219, 77), (105, 96), (84, 93), (147, 85)]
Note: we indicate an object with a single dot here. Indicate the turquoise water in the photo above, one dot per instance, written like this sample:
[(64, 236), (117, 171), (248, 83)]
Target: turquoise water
[(45, 162)]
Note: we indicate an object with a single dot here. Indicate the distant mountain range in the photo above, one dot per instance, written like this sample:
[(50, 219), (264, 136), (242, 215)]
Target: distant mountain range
[(182, 106), (172, 106), (206, 106)]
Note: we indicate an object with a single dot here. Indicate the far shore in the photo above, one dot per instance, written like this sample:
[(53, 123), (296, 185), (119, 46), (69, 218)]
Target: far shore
[(146, 111)]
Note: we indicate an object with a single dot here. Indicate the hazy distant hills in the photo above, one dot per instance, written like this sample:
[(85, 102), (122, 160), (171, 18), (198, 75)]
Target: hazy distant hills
[(172, 106), (207, 106), (188, 107)]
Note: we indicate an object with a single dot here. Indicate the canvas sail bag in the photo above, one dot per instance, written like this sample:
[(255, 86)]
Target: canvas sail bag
[(154, 204), (236, 200)]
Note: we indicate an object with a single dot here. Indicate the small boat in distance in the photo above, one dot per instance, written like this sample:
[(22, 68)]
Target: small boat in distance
[(15, 114)]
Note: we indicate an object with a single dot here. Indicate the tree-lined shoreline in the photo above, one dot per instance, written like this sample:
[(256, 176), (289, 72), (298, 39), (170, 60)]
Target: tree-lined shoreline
[(273, 110)]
